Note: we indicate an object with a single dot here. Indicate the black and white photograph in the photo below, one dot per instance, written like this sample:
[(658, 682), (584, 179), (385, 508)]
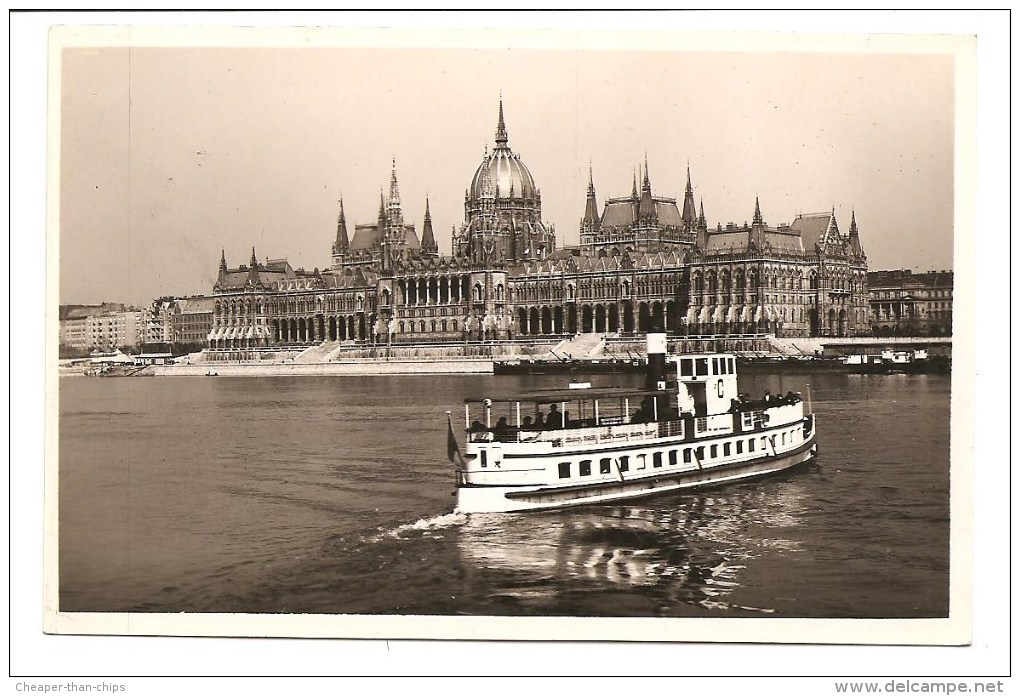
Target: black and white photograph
[(506, 335)]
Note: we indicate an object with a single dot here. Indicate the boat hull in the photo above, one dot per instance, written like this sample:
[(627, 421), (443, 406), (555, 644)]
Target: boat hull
[(523, 498)]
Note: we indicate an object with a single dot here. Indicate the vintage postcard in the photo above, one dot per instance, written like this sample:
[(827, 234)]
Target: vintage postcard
[(602, 336)]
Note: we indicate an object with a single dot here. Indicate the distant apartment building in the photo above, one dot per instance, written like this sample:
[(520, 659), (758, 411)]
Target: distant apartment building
[(180, 321), (192, 320), (903, 303), (102, 327)]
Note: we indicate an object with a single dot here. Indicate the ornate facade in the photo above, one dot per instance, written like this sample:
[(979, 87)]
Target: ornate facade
[(642, 259)]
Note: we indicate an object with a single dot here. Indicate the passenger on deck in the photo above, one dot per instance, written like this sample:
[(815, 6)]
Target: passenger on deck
[(791, 398), (555, 417), (527, 425), (734, 406), (539, 421), (476, 426), (501, 425)]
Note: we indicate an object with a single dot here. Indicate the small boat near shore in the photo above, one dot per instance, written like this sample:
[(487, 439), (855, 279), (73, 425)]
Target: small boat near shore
[(897, 362), (583, 445)]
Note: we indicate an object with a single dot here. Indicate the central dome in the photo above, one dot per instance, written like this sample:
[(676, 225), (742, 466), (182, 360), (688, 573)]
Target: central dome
[(503, 170)]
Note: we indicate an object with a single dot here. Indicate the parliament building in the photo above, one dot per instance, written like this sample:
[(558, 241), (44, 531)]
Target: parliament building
[(643, 258)]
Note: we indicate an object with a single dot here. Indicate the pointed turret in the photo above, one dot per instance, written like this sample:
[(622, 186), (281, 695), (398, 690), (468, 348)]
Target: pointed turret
[(394, 189), (501, 137), (633, 190), (855, 240), (590, 223), (342, 243), (688, 215), (222, 275), (253, 268), (382, 208), (701, 215), (757, 220), (428, 239), (591, 207), (646, 208)]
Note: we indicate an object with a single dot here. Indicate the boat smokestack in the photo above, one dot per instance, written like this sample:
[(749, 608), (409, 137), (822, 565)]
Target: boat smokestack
[(655, 344)]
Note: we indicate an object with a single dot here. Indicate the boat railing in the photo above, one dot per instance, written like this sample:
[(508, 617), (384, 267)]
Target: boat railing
[(608, 429)]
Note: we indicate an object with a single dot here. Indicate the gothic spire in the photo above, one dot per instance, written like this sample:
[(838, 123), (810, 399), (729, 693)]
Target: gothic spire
[(688, 215), (701, 214), (855, 239), (394, 190), (223, 260), (757, 213), (633, 190), (501, 137), (591, 209), (646, 208), (342, 241), (253, 268), (382, 205), (428, 239)]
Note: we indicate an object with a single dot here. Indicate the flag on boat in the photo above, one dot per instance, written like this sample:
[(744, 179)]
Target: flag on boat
[(452, 448)]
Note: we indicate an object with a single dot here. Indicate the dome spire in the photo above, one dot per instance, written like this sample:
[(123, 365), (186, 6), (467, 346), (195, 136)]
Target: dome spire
[(501, 137), (394, 190)]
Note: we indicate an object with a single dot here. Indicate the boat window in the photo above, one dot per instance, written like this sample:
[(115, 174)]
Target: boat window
[(715, 366), (782, 439), (640, 459), (750, 445), (699, 452), (564, 469), (687, 456), (764, 445), (625, 463), (485, 459), (726, 449), (701, 366), (733, 366), (672, 457), (686, 367), (740, 446), (604, 466), (714, 451), (585, 468), (657, 459)]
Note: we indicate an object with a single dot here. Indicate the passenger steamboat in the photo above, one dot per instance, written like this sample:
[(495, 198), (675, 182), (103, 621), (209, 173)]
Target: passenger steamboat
[(586, 445)]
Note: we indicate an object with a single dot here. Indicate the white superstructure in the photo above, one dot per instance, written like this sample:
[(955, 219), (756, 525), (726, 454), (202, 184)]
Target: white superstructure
[(590, 445)]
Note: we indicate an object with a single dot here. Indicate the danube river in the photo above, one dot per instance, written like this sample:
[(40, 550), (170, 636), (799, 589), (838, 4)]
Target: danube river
[(334, 495)]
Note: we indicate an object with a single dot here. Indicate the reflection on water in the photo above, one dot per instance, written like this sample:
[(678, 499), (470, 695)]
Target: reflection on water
[(692, 551)]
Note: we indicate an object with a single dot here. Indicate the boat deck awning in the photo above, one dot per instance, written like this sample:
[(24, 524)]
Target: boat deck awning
[(555, 396)]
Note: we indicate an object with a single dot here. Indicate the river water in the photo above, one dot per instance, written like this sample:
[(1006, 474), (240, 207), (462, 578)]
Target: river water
[(334, 495)]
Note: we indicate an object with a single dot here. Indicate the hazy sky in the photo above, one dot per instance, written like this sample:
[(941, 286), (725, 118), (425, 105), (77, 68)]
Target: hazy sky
[(170, 154)]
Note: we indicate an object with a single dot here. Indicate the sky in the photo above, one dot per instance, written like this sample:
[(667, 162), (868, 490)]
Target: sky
[(170, 154)]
